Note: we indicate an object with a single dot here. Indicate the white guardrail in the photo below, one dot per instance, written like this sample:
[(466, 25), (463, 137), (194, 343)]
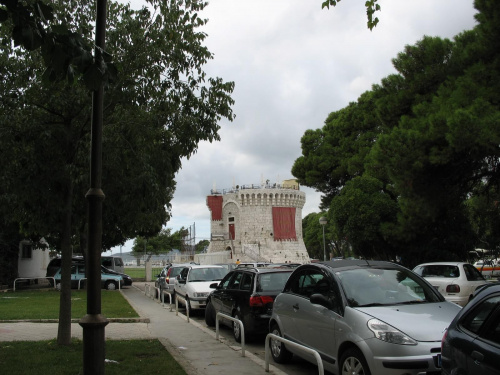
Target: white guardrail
[(270, 336), (177, 298), (242, 329), (33, 278), (163, 298)]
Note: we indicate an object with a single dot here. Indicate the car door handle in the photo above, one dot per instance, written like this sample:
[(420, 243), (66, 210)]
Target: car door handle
[(477, 357), (296, 306)]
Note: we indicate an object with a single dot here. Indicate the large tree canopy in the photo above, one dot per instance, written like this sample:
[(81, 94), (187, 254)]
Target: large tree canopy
[(158, 108), (155, 113), (405, 169)]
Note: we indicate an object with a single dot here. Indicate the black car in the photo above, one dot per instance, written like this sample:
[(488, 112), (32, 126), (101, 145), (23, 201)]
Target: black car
[(127, 280), (471, 345), (246, 294)]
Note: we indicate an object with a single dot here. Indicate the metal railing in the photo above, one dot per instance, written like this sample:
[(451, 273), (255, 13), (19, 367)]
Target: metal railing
[(242, 329), (33, 278), (177, 298), (303, 348), (162, 298)]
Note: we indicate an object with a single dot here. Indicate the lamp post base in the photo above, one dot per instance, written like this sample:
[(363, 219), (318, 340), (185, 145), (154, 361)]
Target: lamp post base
[(93, 343)]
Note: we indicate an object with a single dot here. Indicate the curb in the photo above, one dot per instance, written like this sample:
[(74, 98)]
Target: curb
[(110, 320)]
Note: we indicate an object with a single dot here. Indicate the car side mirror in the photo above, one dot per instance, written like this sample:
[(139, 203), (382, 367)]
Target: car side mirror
[(320, 299), (214, 285), (181, 280)]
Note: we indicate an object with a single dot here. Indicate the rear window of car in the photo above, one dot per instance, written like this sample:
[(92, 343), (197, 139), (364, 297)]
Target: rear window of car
[(272, 282), (175, 271), (438, 270)]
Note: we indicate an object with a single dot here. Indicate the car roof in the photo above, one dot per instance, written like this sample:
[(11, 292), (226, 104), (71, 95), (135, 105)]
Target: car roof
[(264, 269), (355, 263), (442, 264), (486, 289), (194, 266)]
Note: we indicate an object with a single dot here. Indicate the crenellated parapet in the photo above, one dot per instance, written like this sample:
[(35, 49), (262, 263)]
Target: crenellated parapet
[(269, 197)]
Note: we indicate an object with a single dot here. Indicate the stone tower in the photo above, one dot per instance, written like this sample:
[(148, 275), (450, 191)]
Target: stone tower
[(259, 222)]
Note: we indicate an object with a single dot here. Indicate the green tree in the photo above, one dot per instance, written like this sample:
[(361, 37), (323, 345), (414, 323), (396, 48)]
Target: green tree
[(371, 7), (159, 108), (35, 25), (202, 245), (313, 235), (162, 243), (366, 216), (409, 164)]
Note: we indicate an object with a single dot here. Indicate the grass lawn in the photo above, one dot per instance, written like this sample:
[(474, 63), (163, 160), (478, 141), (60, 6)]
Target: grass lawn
[(139, 273), (136, 272), (122, 358), (44, 304)]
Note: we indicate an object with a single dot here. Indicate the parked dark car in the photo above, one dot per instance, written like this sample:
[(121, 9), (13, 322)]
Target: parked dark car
[(471, 345), (248, 295), (127, 280)]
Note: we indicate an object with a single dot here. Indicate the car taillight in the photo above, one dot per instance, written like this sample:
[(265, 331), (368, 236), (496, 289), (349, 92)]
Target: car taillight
[(444, 338), (260, 300), (453, 288)]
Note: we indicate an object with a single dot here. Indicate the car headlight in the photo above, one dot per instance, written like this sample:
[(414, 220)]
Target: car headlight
[(387, 333), (201, 294)]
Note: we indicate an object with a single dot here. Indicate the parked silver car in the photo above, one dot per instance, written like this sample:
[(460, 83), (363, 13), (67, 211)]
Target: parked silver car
[(362, 317)]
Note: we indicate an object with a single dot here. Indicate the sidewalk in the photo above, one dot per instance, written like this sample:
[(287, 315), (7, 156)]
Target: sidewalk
[(191, 344)]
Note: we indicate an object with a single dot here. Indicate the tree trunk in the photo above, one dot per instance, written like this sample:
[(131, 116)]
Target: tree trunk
[(64, 328)]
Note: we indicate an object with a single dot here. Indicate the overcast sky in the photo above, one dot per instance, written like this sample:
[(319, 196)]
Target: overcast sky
[(293, 64)]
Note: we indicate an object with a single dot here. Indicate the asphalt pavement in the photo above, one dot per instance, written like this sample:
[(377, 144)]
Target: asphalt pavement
[(192, 344)]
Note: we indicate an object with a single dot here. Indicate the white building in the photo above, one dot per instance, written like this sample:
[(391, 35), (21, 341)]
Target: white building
[(258, 223), (32, 263)]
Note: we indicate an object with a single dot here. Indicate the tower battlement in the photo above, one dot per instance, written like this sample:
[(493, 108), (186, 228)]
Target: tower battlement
[(259, 222)]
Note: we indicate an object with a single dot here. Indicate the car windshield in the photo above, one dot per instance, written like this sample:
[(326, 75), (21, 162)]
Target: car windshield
[(206, 274), (438, 270), (365, 287), (272, 282)]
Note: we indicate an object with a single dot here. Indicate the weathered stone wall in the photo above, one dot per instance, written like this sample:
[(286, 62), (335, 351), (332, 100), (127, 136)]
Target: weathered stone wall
[(250, 211)]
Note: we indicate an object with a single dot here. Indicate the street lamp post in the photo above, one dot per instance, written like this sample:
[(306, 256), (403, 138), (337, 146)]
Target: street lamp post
[(323, 221)]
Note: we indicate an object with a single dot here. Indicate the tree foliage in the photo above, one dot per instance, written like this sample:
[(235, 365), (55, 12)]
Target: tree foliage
[(67, 54), (411, 168), (162, 243), (158, 108), (371, 7)]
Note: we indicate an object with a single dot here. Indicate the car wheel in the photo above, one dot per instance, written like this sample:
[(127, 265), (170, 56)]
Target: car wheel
[(210, 314), (236, 327), (278, 350), (110, 285), (352, 362)]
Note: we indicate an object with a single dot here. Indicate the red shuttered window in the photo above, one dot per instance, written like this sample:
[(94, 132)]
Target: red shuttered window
[(284, 223)]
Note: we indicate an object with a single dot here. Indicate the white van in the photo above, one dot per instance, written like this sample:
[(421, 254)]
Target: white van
[(114, 263)]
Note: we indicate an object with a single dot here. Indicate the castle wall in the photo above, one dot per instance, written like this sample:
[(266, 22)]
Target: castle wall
[(249, 213)]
